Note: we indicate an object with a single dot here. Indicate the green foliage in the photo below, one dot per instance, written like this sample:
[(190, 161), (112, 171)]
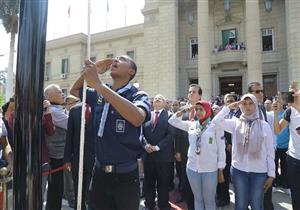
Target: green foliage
[(9, 10), (2, 99)]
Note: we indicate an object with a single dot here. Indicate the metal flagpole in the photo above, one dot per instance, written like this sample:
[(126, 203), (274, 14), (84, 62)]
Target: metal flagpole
[(82, 129), (29, 105)]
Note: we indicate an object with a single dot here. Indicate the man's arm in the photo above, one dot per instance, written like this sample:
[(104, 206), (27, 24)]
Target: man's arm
[(75, 89), (129, 111)]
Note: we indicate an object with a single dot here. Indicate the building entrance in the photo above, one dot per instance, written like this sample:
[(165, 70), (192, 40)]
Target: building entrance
[(231, 85)]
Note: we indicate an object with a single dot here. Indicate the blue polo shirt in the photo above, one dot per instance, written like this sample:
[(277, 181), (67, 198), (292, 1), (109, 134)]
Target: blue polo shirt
[(282, 139), (120, 142)]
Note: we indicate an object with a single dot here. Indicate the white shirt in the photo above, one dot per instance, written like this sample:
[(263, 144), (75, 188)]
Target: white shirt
[(266, 161), (3, 131), (212, 154), (294, 143), (59, 116)]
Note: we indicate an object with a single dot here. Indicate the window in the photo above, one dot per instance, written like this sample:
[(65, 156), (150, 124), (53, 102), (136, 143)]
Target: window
[(267, 39), (193, 48), (65, 66), (130, 54), (229, 37), (47, 70), (65, 91), (111, 55), (193, 81), (93, 59), (270, 85)]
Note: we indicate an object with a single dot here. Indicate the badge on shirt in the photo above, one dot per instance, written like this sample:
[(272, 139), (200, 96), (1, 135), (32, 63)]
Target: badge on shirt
[(120, 126), (100, 99), (210, 140)]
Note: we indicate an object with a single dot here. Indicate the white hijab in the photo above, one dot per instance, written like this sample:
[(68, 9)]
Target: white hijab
[(249, 132)]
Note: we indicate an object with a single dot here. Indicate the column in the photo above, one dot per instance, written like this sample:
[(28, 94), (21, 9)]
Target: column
[(204, 65), (292, 11), (254, 43), (29, 105), (161, 48)]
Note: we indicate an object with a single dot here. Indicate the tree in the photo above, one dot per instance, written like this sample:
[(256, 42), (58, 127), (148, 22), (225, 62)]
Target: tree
[(9, 10)]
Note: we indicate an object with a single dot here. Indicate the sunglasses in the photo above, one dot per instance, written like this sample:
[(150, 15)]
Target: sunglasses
[(257, 91)]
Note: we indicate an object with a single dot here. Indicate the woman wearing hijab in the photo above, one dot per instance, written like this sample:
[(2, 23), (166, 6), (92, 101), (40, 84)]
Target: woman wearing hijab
[(206, 154), (253, 167)]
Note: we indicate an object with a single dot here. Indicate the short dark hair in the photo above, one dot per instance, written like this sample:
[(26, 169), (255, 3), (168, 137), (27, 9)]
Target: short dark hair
[(251, 84), (231, 95), (132, 64), (197, 86)]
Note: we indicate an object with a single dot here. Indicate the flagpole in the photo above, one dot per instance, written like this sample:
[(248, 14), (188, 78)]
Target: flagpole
[(107, 9), (125, 12), (82, 129)]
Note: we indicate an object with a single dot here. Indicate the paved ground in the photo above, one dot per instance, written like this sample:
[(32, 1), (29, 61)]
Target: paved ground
[(281, 201)]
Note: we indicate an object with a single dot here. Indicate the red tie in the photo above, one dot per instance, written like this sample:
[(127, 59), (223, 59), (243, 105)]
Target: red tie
[(155, 119), (192, 115), (87, 112)]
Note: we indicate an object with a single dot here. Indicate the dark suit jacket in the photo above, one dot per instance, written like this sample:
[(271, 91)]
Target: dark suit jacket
[(182, 140), (162, 136), (73, 140)]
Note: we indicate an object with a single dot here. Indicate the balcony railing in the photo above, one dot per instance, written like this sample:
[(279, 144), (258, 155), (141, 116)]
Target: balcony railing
[(227, 56)]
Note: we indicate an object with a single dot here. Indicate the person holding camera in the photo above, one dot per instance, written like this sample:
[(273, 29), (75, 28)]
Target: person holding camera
[(291, 118)]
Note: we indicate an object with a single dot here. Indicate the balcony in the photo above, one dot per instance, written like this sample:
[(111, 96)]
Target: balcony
[(229, 56)]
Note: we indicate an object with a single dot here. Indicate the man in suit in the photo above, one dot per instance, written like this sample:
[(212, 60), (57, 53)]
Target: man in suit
[(158, 139), (72, 149)]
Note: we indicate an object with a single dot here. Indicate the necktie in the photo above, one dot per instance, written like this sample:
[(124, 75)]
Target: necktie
[(192, 115), (87, 112), (155, 119)]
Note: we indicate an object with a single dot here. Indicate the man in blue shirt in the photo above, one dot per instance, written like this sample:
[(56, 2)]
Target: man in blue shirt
[(118, 112)]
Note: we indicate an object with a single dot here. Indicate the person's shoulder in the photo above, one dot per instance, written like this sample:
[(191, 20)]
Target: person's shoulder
[(265, 125)]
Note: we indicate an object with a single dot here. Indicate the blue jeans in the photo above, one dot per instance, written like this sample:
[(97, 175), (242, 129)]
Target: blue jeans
[(248, 188), (204, 186)]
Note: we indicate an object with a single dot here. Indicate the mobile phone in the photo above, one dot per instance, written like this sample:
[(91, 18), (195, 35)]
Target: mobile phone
[(287, 97)]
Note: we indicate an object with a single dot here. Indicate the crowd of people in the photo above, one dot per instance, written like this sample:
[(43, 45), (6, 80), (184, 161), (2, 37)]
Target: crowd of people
[(243, 140), (229, 46)]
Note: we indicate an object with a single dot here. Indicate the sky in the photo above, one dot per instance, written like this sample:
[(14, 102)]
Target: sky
[(66, 17)]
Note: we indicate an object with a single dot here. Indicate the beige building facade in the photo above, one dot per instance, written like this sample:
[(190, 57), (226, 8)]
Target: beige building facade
[(222, 45)]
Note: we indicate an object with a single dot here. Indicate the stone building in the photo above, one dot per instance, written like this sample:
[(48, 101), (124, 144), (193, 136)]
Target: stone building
[(222, 44)]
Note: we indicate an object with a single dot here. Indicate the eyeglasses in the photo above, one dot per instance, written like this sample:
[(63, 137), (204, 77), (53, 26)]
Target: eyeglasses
[(257, 91)]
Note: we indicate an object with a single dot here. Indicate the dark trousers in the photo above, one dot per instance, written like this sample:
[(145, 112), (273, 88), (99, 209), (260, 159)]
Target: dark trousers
[(293, 168), (178, 167), (281, 179), (268, 205), (157, 178), (87, 175), (55, 185), (115, 191), (171, 176), (223, 188), (187, 192)]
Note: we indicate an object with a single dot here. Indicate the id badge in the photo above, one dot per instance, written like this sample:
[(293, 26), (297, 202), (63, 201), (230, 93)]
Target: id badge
[(120, 126)]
